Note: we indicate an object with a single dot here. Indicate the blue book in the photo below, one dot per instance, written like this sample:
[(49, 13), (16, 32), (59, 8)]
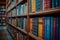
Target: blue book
[(59, 2), (37, 5), (47, 28), (53, 3), (57, 29), (52, 28), (35, 26), (57, 5), (19, 9)]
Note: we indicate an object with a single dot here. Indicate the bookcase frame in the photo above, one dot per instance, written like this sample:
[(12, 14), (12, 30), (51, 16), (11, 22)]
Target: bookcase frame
[(51, 12)]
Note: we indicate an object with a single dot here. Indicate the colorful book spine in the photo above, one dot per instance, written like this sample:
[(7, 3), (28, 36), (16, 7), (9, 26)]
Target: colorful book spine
[(33, 5), (37, 5), (54, 29), (47, 28), (35, 26), (41, 27), (19, 9), (31, 30), (57, 1), (53, 4), (57, 29)]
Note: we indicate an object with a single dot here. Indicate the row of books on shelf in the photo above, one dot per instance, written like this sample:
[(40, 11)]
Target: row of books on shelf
[(38, 5), (2, 24), (43, 27), (13, 3), (2, 9), (35, 6), (21, 36), (2, 18), (2, 6)]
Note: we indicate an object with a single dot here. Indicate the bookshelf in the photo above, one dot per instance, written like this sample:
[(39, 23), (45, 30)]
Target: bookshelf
[(2, 15), (26, 19)]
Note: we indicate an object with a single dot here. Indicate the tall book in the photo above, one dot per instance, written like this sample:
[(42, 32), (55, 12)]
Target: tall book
[(38, 5), (31, 29), (35, 26), (18, 10), (33, 5), (58, 33), (47, 28), (57, 3), (41, 27), (54, 38), (57, 28), (53, 3), (52, 27)]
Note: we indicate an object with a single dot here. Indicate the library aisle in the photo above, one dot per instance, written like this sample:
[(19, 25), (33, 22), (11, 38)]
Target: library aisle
[(4, 35), (29, 19)]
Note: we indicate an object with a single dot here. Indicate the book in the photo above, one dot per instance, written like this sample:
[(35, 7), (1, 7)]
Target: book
[(47, 28), (18, 10), (35, 26), (53, 4), (56, 3), (59, 3), (52, 28), (37, 5), (41, 27), (31, 29), (33, 5), (57, 28), (54, 38)]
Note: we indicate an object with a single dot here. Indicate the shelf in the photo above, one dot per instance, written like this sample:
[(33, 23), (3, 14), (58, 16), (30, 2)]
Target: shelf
[(21, 16), (8, 3), (21, 2), (33, 36), (19, 29), (47, 12), (12, 17), (10, 33)]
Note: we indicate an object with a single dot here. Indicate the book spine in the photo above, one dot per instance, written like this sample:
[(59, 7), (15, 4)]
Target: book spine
[(59, 2), (35, 26), (31, 25), (40, 27), (53, 3), (33, 5), (37, 5), (57, 5), (54, 29), (57, 29), (47, 28)]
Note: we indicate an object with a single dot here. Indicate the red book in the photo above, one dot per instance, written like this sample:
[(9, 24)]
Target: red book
[(46, 4), (54, 29)]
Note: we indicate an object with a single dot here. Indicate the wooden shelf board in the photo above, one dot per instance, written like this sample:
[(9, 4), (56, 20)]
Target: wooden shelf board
[(21, 2), (8, 4), (18, 28), (33, 36), (47, 12)]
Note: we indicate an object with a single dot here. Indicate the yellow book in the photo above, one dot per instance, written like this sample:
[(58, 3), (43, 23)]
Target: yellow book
[(40, 27), (33, 5)]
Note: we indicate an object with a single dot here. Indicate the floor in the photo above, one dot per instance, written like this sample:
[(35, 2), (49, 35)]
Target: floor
[(4, 35)]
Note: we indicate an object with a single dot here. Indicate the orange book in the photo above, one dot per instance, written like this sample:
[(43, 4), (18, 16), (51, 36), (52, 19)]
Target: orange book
[(30, 25), (40, 27)]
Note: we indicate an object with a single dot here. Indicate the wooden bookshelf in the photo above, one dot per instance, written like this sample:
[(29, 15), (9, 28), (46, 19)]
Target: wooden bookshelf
[(51, 12)]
